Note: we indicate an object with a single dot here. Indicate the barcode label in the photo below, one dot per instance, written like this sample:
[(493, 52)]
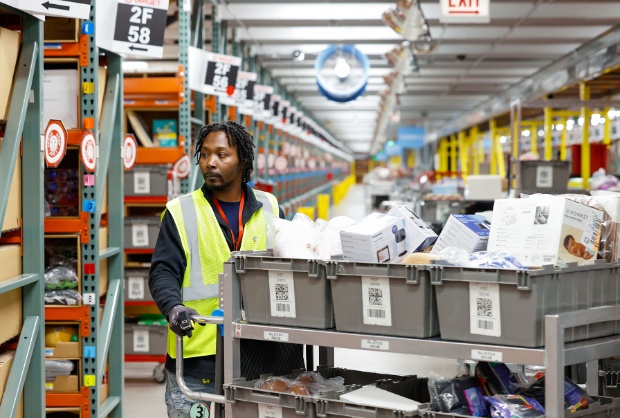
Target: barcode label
[(544, 177), (495, 356), (282, 294), (484, 309), (376, 304), (376, 313), (141, 341), (140, 235), (142, 182), (376, 344), (269, 411), (136, 288), (276, 336)]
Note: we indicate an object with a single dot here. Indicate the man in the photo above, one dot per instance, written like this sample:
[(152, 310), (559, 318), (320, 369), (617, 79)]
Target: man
[(198, 233)]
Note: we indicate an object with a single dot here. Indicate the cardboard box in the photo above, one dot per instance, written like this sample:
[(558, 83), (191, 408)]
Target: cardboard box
[(377, 238), (63, 412), (469, 232), (13, 213), (419, 235), (546, 230), (60, 29), (68, 350), (62, 95), (63, 384), (6, 360), (10, 302), (9, 50)]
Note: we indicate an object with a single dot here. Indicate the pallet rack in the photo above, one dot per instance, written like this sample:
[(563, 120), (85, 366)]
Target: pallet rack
[(553, 356), (24, 121)]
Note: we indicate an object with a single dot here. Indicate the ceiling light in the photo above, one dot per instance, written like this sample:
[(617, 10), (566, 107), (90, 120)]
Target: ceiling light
[(342, 68)]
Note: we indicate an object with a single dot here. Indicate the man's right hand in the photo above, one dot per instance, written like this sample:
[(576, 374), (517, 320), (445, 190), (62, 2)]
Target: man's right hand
[(180, 319)]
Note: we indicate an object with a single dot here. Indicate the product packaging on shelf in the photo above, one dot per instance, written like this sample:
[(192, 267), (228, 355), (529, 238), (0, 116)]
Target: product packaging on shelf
[(377, 238), (469, 232), (418, 235), (546, 230)]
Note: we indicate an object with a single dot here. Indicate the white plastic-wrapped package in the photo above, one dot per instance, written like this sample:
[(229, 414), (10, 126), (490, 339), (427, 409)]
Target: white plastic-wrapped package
[(295, 239), (330, 244)]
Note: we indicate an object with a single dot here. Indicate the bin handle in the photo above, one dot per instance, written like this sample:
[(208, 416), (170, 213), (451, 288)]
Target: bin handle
[(190, 394)]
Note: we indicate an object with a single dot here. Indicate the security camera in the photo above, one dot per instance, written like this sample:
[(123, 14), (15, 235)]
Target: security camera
[(298, 55)]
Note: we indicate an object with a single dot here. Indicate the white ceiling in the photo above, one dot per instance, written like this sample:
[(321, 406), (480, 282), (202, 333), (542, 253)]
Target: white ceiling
[(469, 64)]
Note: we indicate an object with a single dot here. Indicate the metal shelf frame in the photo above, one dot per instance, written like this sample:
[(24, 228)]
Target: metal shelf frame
[(553, 356), (24, 121)]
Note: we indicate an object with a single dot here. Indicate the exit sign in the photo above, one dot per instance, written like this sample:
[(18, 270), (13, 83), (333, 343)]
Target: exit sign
[(465, 11)]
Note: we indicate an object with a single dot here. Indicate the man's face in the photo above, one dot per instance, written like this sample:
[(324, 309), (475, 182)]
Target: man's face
[(575, 248), (219, 162)]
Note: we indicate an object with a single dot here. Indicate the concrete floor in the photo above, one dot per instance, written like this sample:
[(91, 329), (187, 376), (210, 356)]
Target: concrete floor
[(145, 398)]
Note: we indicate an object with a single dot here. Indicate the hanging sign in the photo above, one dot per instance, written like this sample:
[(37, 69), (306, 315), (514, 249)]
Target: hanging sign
[(140, 27), (130, 150), (465, 11), (411, 137), (55, 143), (76, 9), (243, 97), (183, 167), (221, 74), (88, 151), (262, 101)]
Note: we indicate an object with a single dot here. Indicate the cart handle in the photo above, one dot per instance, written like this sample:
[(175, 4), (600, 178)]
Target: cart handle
[(190, 394)]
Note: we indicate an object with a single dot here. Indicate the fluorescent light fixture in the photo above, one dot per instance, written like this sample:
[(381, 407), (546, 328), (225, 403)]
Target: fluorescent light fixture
[(135, 65), (342, 68)]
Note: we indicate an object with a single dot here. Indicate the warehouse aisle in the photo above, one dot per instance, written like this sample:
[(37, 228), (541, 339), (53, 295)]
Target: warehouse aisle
[(144, 397)]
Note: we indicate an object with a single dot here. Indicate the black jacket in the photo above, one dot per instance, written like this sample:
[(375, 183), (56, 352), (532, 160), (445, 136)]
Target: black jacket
[(165, 283)]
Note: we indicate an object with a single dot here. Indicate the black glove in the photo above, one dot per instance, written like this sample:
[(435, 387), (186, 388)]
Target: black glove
[(180, 320)]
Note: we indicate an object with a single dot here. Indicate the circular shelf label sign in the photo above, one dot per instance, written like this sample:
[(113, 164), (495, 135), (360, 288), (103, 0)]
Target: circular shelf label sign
[(270, 160), (130, 150), (55, 145), (281, 163), (88, 151), (183, 166), (261, 160)]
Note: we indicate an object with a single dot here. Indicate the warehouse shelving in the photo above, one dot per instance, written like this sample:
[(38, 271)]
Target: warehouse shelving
[(553, 356)]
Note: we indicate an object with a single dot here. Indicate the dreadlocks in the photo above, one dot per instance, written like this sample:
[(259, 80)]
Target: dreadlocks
[(238, 137)]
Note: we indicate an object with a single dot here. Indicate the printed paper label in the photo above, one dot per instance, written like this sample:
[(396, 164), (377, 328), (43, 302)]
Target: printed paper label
[(136, 288), (376, 307), (484, 309), (89, 298), (140, 235), (483, 355), (282, 294), (142, 182), (544, 176), (276, 336), (376, 344), (141, 341), (269, 411)]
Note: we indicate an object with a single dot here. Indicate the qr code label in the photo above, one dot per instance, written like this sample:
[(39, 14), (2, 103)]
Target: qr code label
[(376, 309), (142, 183), (282, 294), (484, 304), (485, 307)]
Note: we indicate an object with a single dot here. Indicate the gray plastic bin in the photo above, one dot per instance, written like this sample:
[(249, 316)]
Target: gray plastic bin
[(246, 398), (146, 180), (603, 407), (145, 339), (136, 285), (525, 297), (544, 176), (284, 291), (141, 232), (413, 309)]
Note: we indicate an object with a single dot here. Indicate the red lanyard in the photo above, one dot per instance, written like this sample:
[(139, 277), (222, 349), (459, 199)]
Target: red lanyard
[(236, 241)]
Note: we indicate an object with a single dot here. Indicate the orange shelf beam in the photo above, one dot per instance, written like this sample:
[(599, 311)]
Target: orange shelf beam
[(75, 137), (139, 251), (63, 400), (68, 226), (140, 303), (152, 85), (159, 155), (75, 313), (143, 358), (146, 199), (63, 50)]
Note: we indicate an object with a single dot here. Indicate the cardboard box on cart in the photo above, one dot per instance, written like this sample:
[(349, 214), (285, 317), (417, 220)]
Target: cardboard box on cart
[(377, 238)]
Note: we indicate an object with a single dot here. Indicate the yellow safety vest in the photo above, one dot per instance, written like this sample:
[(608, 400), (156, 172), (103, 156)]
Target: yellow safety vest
[(206, 251)]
